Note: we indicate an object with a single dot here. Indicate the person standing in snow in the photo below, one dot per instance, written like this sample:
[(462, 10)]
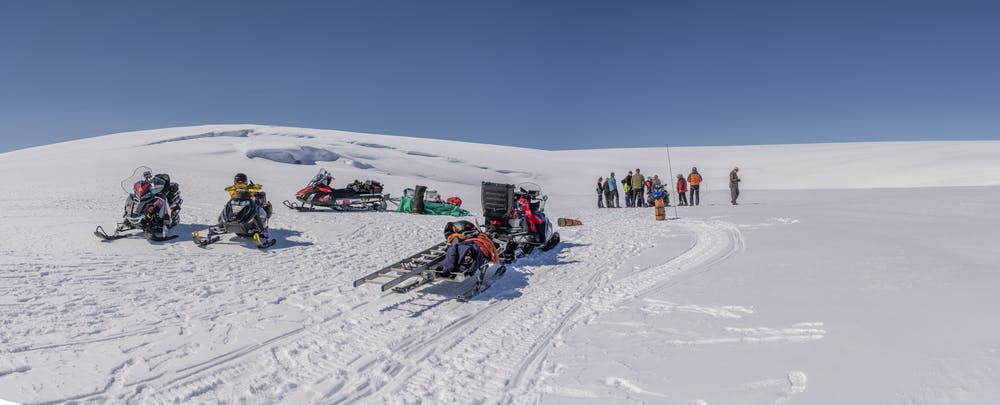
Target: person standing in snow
[(638, 183), (607, 194), (734, 184), (600, 192), (627, 188), (694, 181), (682, 189), (612, 191), (648, 188), (658, 186)]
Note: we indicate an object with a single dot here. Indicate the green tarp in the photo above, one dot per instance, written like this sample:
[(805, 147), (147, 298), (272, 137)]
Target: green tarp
[(431, 207)]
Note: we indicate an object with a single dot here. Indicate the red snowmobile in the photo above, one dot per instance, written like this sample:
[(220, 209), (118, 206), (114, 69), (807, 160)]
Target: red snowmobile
[(357, 196)]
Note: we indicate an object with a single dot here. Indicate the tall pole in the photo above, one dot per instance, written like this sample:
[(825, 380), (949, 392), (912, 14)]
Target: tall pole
[(670, 168)]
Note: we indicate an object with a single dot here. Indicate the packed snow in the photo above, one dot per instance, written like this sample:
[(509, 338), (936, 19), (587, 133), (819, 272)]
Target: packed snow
[(850, 273)]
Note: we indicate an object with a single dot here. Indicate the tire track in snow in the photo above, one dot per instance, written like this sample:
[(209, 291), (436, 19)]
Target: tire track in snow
[(362, 347), (715, 242)]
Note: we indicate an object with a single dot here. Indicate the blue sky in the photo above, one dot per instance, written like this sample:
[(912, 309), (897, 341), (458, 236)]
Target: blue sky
[(546, 74)]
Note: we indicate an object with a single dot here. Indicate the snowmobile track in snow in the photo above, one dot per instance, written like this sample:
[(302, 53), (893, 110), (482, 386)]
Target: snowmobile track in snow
[(493, 351), (390, 348), (448, 351)]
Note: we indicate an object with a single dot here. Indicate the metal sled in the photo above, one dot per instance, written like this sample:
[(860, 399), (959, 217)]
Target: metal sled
[(423, 268)]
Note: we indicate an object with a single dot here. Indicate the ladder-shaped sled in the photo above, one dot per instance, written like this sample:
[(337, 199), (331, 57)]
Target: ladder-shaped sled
[(423, 268), (421, 264)]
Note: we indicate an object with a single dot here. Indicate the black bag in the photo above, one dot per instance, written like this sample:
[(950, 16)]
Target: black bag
[(418, 199)]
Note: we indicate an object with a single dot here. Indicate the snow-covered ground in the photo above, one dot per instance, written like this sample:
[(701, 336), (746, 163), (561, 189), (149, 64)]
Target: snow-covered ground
[(863, 280)]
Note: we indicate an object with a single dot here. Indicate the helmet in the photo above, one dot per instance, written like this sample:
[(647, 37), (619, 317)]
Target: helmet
[(240, 178), (464, 228), (694, 169)]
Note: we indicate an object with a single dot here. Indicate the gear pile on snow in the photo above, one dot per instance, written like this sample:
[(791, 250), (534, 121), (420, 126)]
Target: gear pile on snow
[(420, 200)]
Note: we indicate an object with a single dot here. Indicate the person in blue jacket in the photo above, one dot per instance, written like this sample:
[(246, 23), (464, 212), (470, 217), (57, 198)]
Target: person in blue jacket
[(612, 192)]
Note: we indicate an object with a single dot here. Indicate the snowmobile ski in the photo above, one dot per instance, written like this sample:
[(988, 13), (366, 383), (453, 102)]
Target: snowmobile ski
[(204, 242), (263, 243), (100, 233), (162, 238), (481, 284)]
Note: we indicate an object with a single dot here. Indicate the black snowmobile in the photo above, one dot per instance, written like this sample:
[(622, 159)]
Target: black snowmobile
[(246, 215), (515, 219), (153, 206), (357, 196)]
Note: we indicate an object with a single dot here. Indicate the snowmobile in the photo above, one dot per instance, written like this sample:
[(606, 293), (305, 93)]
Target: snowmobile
[(515, 219), (357, 196), (246, 215), (447, 261), (153, 206), (658, 192)]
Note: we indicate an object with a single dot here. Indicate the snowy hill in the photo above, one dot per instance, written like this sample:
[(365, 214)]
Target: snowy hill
[(849, 275), (281, 150)]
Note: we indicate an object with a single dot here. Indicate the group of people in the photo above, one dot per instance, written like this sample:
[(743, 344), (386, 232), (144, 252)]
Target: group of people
[(636, 187), (641, 191)]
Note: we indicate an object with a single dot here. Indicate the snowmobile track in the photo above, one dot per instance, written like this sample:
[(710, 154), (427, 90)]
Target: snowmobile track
[(482, 350)]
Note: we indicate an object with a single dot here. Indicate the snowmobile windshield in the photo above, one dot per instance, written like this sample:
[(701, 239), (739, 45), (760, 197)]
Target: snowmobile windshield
[(237, 206), (533, 192), (140, 185), (530, 189), (323, 177)]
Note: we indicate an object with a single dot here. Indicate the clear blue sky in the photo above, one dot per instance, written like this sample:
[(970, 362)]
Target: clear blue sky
[(547, 74)]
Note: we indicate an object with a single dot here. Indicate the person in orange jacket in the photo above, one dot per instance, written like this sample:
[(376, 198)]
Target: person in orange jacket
[(694, 180), (468, 248)]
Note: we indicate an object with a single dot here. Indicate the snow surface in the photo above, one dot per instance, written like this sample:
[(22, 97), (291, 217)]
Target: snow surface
[(848, 275)]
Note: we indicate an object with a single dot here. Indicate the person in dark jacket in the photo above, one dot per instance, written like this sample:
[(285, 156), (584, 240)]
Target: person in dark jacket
[(600, 192), (468, 248), (734, 184)]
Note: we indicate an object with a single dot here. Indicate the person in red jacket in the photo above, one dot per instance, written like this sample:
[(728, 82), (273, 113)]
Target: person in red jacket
[(682, 189)]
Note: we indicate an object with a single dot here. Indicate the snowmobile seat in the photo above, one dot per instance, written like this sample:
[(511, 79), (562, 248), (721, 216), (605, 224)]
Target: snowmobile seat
[(170, 190), (373, 187), (498, 201)]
